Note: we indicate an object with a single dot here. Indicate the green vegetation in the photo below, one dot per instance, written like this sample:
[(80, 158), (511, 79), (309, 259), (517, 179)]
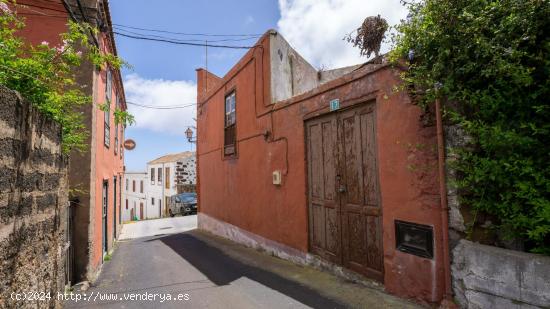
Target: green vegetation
[(492, 62), (44, 74)]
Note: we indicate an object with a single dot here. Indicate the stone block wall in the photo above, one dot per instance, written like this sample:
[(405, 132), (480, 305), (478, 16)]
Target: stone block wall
[(33, 203), (491, 277)]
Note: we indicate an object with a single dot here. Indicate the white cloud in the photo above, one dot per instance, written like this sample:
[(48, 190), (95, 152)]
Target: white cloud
[(315, 28), (160, 92)]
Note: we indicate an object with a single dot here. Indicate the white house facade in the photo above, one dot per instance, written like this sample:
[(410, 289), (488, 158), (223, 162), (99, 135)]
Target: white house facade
[(134, 197), (164, 174)]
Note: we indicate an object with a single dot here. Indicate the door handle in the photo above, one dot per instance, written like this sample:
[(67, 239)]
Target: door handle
[(342, 189)]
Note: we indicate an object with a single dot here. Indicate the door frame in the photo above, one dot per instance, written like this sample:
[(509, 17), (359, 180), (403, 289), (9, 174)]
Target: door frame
[(364, 101), (114, 205), (105, 217)]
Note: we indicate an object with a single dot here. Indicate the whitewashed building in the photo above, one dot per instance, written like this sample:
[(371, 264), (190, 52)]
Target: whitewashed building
[(164, 174), (134, 197)]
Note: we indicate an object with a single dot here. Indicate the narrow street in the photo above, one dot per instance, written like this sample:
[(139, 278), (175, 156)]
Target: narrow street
[(211, 272)]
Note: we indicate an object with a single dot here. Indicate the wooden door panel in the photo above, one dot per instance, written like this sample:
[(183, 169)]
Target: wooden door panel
[(343, 196), (369, 159), (324, 206), (361, 210), (317, 226)]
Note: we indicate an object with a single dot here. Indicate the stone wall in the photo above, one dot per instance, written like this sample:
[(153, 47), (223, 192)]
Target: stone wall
[(33, 203), (491, 277)]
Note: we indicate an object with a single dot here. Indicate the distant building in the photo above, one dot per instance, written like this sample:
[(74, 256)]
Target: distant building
[(164, 174), (134, 197)]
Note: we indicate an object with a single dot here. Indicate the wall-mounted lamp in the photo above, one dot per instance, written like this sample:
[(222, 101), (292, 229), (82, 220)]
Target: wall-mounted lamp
[(189, 135)]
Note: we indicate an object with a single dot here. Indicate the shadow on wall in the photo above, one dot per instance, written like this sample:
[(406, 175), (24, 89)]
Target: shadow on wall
[(222, 269)]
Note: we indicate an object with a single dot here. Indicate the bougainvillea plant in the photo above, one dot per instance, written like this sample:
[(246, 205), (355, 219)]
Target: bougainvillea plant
[(492, 60), (45, 74)]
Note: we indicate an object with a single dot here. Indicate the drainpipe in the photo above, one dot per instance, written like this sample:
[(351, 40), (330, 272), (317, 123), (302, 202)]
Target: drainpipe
[(443, 199)]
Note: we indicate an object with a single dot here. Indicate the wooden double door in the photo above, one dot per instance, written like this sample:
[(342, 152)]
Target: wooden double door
[(345, 214)]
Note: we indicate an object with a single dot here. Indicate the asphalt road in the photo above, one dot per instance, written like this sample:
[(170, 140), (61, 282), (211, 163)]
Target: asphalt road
[(205, 271)]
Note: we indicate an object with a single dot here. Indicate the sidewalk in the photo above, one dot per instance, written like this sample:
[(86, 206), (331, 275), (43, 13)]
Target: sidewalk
[(342, 291), (157, 227)]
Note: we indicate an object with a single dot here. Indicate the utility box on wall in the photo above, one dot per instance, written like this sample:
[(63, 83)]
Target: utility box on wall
[(277, 178)]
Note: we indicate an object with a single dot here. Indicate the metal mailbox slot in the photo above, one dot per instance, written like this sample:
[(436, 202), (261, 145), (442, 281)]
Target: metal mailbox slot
[(414, 238)]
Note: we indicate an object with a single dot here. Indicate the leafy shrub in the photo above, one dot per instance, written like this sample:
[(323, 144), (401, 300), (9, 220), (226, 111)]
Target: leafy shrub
[(492, 60), (44, 74)]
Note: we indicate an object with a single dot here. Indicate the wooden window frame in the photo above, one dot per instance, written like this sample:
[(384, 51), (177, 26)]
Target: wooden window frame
[(230, 130), (159, 175), (117, 105), (107, 112), (167, 177)]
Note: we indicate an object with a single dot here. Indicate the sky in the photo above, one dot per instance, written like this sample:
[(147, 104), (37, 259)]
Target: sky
[(163, 74)]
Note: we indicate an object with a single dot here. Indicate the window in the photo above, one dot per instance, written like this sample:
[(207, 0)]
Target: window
[(122, 139), (152, 201), (159, 176), (152, 176), (126, 204), (127, 183), (116, 128), (133, 186), (141, 186), (107, 111), (167, 178), (230, 124)]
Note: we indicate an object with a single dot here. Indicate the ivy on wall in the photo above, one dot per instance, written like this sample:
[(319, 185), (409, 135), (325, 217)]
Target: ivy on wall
[(45, 74), (492, 62)]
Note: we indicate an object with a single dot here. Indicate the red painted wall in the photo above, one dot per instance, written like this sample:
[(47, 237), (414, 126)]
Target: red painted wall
[(107, 163), (240, 190), (44, 20)]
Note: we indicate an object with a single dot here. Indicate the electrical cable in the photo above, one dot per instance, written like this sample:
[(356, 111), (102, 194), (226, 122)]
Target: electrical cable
[(183, 33), (162, 107), (182, 43), (182, 40)]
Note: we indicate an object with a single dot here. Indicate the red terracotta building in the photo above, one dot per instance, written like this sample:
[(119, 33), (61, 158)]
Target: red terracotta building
[(95, 175), (330, 168)]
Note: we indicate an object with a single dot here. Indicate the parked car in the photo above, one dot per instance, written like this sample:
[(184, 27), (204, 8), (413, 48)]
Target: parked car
[(183, 203)]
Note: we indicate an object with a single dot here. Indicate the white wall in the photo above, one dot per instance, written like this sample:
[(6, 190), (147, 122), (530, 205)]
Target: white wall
[(134, 198)]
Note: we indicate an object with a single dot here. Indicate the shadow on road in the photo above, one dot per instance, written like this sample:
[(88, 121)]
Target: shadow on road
[(222, 269)]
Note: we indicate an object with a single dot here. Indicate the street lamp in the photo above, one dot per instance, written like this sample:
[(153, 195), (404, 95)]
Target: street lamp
[(189, 135)]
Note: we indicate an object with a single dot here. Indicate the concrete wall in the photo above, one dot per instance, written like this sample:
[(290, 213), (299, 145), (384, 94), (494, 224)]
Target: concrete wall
[(271, 137), (491, 277), (291, 74), (33, 201)]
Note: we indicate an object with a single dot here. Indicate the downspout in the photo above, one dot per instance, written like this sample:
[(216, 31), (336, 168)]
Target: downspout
[(443, 199)]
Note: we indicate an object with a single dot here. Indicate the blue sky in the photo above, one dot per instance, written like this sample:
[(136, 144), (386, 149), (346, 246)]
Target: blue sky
[(164, 74)]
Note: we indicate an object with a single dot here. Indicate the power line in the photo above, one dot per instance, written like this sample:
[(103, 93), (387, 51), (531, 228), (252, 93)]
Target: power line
[(162, 107), (183, 33), (180, 42)]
